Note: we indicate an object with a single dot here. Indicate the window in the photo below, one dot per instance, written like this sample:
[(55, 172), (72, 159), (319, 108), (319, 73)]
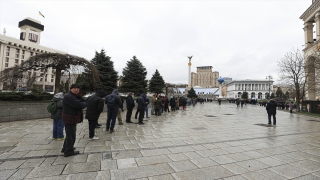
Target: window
[(22, 61), (22, 56), (22, 35), (33, 37), (7, 59), (17, 50), (8, 48), (7, 53), (6, 65), (36, 54), (41, 79), (17, 55), (51, 80), (23, 51), (51, 76), (16, 61), (31, 53)]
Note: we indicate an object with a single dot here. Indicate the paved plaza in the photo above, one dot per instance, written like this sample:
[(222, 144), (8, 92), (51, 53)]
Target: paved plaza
[(207, 141)]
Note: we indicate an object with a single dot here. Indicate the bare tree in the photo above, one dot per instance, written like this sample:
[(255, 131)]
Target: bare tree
[(294, 72)]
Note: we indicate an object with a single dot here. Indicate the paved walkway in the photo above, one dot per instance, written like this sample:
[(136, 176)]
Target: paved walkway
[(204, 142)]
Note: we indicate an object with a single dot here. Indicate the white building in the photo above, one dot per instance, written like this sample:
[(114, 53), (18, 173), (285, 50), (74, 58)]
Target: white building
[(257, 89), (14, 51)]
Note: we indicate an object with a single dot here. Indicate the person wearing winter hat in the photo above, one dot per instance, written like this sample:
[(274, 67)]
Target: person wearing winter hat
[(72, 114), (94, 108)]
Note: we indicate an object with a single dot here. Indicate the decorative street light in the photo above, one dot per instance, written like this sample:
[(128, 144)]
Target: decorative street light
[(269, 80)]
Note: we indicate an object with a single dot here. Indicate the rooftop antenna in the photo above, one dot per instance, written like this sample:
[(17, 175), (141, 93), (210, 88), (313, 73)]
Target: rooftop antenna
[(4, 31)]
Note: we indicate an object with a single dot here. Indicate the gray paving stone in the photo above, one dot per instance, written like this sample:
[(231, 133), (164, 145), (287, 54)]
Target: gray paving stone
[(131, 146), (32, 163), (178, 157), (239, 157), (254, 176), (215, 172), (83, 176), (307, 165), (126, 154), (307, 177), (238, 177), (288, 171), (203, 162), (103, 175), (270, 174), (11, 164), (5, 174), (141, 172), (192, 155), (161, 177), (234, 168), (20, 174), (94, 157), (182, 165), (48, 161), (108, 165), (82, 167), (181, 149), (252, 165), (223, 159), (18, 154), (126, 163), (46, 171), (150, 160), (146, 145), (71, 159), (155, 152)]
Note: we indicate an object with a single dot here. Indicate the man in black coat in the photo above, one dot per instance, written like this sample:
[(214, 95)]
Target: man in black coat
[(271, 109), (72, 114), (130, 106), (94, 109), (113, 102), (141, 107)]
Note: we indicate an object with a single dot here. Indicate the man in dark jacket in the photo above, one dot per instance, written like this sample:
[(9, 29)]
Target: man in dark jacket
[(72, 114), (141, 107), (113, 102), (271, 109), (94, 109), (130, 106), (58, 124)]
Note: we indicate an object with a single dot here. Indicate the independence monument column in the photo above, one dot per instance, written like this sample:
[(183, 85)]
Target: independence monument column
[(189, 72)]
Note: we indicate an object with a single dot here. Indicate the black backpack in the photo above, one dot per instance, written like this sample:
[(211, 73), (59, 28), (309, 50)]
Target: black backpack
[(111, 101)]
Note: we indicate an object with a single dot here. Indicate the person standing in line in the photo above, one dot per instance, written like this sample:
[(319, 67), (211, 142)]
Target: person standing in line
[(173, 103), (291, 106), (146, 108), (219, 101), (113, 102), (157, 106), (238, 102), (94, 109), (72, 114), (183, 103), (141, 107), (242, 102), (166, 104), (271, 109), (153, 100), (177, 103), (120, 111), (58, 124), (130, 106), (137, 112)]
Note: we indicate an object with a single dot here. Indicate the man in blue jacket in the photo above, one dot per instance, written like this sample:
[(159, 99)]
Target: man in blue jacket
[(113, 102), (72, 114)]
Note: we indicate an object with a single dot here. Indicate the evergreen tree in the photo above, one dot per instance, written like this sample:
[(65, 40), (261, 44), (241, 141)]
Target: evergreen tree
[(272, 96), (244, 95), (134, 77), (156, 83), (108, 76), (279, 92), (85, 83), (192, 93)]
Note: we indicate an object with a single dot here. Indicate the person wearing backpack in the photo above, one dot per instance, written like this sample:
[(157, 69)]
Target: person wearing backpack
[(55, 108), (94, 109), (113, 102), (72, 114)]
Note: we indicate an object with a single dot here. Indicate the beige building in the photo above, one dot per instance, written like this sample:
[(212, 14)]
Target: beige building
[(14, 51), (205, 77), (311, 19)]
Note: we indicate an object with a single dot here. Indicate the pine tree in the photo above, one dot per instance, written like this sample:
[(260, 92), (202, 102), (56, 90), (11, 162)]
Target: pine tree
[(192, 93), (108, 76), (156, 83), (244, 95), (134, 77)]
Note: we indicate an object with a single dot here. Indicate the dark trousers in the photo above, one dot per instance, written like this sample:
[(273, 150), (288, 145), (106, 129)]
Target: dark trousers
[(111, 120), (70, 138), (92, 126), (129, 114), (274, 118), (141, 115), (157, 112), (173, 108), (291, 111), (137, 112)]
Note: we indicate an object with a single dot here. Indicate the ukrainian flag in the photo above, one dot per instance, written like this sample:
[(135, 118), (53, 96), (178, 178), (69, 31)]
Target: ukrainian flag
[(41, 14)]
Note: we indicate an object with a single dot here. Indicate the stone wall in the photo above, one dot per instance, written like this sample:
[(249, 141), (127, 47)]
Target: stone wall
[(15, 111)]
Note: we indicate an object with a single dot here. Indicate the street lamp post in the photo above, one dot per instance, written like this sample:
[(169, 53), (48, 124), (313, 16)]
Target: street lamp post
[(269, 80)]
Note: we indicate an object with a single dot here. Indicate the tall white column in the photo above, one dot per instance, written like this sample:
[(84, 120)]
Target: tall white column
[(189, 75), (317, 20), (308, 33)]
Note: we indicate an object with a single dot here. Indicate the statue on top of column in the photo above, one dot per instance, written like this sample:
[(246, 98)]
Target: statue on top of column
[(190, 57)]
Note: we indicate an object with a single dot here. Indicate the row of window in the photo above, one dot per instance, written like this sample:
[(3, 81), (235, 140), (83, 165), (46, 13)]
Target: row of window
[(17, 55), (32, 37)]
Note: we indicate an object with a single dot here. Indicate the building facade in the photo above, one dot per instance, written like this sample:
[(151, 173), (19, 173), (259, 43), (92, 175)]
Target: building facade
[(15, 51), (256, 89), (205, 77), (311, 19)]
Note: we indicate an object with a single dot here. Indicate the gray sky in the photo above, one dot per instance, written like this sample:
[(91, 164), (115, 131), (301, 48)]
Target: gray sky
[(240, 39)]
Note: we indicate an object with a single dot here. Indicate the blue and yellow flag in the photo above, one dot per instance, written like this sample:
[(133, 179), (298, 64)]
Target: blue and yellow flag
[(41, 14)]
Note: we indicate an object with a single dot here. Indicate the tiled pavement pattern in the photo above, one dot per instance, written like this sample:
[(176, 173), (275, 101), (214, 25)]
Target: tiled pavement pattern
[(204, 142)]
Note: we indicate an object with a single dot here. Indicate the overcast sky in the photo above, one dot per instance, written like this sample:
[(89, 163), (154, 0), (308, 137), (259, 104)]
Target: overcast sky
[(239, 39)]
